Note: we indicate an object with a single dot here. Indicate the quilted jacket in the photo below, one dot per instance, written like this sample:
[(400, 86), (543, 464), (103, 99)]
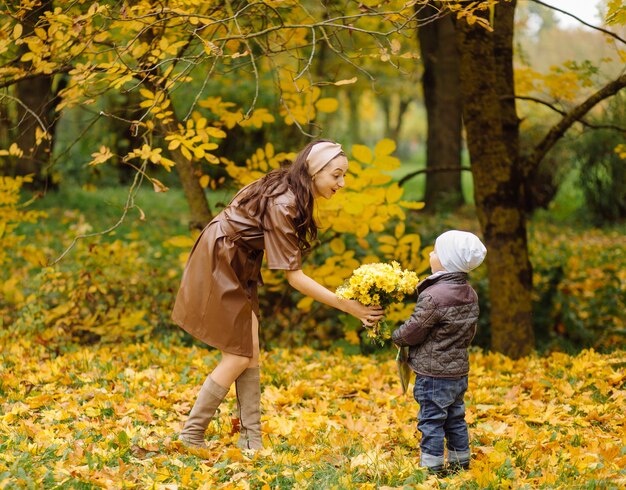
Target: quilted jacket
[(441, 327)]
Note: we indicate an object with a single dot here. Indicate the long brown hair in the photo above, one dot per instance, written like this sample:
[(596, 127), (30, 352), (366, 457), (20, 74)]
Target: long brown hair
[(296, 178)]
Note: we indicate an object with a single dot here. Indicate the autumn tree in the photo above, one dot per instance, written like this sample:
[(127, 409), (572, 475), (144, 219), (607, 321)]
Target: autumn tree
[(32, 101), (166, 55), (501, 170), (442, 99)]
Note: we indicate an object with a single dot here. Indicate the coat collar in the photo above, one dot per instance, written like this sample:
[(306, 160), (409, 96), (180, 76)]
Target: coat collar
[(448, 278)]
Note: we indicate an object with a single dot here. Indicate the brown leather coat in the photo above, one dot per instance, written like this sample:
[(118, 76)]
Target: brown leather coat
[(441, 327), (218, 292)]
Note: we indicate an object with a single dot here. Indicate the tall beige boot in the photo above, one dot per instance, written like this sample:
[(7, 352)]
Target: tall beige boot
[(248, 386), (210, 396)]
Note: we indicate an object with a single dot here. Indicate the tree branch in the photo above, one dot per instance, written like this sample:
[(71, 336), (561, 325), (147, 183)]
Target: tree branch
[(432, 171), (559, 129), (563, 113), (607, 32), (8, 83)]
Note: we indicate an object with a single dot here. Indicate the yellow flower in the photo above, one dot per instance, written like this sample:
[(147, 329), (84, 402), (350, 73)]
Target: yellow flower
[(379, 284)]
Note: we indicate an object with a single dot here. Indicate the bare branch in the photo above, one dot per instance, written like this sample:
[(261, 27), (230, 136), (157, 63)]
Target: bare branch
[(432, 171), (559, 129), (605, 31), (563, 113), (130, 204), (30, 76)]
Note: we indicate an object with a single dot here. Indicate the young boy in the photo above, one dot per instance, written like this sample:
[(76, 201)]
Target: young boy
[(438, 334)]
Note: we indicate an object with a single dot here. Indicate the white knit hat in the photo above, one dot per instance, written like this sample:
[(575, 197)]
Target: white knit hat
[(320, 154), (459, 251)]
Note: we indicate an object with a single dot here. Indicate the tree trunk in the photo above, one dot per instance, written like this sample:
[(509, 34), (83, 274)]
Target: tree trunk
[(403, 106), (35, 111), (355, 124), (492, 129), (443, 102), (393, 126), (188, 171), (385, 101)]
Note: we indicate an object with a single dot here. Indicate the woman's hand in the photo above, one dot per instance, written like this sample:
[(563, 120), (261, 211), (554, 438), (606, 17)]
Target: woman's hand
[(368, 315)]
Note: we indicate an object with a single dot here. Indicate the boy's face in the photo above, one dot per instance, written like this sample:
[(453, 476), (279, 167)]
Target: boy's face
[(435, 264)]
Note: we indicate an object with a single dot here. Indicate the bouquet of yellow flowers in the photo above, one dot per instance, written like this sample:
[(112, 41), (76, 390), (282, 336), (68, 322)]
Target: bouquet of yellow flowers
[(379, 284)]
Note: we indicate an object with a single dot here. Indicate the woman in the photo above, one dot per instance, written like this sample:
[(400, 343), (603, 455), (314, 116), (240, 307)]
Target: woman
[(217, 301)]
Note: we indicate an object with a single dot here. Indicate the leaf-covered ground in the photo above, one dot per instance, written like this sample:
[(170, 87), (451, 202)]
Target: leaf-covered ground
[(107, 416)]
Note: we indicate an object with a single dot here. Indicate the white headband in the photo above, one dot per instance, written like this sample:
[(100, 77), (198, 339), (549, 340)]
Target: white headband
[(320, 154)]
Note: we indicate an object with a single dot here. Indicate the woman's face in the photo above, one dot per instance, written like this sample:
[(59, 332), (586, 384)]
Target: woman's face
[(331, 178)]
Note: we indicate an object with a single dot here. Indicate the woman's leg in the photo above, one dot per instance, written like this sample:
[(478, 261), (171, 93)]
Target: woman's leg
[(249, 397), (213, 391)]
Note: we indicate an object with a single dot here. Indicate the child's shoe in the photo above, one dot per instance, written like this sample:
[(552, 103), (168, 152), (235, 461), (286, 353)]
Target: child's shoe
[(458, 466), (440, 470), (458, 460), (434, 464)]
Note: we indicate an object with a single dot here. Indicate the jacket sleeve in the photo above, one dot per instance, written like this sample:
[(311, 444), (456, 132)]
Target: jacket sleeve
[(415, 330), (282, 248)]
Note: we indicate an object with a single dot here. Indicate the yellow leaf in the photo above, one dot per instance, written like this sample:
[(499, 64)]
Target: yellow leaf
[(399, 231), (181, 241), (384, 147), (328, 104), (204, 181), (377, 224), (347, 81), (412, 238), (353, 207), (158, 186), (92, 412), (146, 93), (387, 162), (186, 153), (387, 249), (355, 167), (41, 33), (362, 230), (100, 156), (362, 153), (387, 239), (352, 337), (17, 31), (412, 204), (393, 193), (305, 303), (337, 246)]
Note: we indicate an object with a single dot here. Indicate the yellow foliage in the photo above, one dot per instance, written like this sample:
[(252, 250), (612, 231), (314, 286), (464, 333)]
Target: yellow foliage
[(362, 153), (12, 215), (261, 162), (327, 104), (144, 153), (109, 415)]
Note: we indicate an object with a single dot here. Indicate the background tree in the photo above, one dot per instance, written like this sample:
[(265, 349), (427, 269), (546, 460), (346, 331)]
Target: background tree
[(442, 99), (500, 170), (33, 102), (155, 51)]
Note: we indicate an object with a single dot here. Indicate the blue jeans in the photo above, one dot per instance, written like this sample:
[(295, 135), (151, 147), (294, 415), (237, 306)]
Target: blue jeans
[(442, 415)]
